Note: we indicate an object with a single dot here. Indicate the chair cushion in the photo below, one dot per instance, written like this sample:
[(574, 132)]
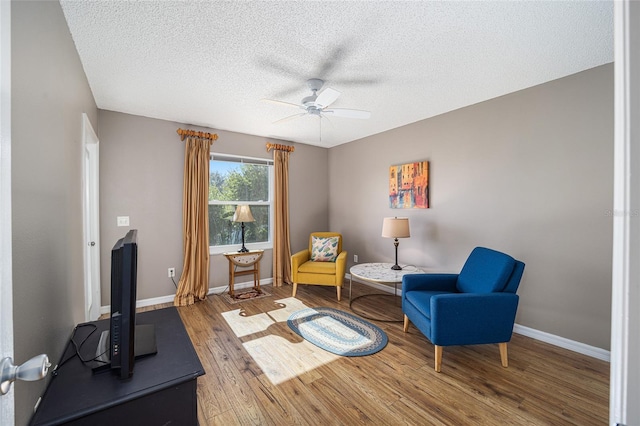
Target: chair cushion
[(310, 267), (324, 249), (485, 271), (421, 300)]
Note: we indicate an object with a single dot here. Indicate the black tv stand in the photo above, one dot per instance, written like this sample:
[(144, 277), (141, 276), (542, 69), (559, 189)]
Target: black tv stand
[(161, 391)]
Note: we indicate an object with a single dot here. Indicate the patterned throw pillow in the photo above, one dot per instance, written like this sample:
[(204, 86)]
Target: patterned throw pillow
[(324, 249)]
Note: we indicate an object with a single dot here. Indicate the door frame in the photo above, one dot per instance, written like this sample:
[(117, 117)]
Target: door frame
[(624, 378), (91, 219), (7, 402)]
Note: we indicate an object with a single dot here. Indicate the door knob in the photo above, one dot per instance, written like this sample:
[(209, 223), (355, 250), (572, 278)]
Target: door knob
[(34, 369)]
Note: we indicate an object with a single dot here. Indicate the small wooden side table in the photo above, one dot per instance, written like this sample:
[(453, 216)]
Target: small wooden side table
[(244, 260)]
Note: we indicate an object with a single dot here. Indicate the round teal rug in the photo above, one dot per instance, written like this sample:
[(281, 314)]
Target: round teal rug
[(338, 332)]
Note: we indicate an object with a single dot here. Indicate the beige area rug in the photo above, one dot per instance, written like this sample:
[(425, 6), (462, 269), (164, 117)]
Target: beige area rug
[(245, 295)]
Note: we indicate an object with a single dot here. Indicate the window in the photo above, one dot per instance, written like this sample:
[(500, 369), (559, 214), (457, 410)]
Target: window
[(239, 180)]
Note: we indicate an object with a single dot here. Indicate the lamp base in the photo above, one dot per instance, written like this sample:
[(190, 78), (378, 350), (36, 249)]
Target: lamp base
[(243, 249), (396, 267)]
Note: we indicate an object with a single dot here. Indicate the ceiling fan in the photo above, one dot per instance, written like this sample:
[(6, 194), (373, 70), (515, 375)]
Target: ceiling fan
[(318, 104)]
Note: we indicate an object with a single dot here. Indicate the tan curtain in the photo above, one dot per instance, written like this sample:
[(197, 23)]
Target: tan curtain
[(281, 246), (194, 282)]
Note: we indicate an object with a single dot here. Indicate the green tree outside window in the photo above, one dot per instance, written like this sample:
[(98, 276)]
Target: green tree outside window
[(236, 181)]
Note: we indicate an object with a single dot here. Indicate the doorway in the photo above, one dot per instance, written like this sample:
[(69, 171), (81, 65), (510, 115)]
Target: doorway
[(91, 220)]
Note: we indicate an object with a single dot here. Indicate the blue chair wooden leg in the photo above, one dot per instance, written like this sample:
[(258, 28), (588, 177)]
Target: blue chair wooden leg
[(503, 354), (438, 358)]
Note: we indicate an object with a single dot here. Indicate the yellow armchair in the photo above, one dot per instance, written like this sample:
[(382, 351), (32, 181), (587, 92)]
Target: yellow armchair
[(306, 271)]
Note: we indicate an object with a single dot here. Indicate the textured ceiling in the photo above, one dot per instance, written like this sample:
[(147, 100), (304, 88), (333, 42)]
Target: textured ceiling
[(209, 63)]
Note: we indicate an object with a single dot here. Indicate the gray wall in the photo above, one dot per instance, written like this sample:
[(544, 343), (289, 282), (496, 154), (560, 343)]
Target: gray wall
[(529, 173), (141, 173), (49, 94)]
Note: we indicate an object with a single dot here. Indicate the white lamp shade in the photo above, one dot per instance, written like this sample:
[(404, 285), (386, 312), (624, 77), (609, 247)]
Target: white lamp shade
[(395, 227), (243, 214)]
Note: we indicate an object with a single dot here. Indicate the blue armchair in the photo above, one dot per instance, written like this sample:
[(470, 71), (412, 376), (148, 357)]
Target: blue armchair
[(477, 306)]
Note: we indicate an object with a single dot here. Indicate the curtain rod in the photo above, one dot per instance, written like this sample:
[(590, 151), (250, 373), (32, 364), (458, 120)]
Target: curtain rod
[(280, 147), (203, 135)]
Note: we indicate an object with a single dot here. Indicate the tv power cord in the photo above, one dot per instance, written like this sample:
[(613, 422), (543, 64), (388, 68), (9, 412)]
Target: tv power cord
[(77, 347)]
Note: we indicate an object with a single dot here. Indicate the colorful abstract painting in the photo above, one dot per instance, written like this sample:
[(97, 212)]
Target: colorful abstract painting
[(409, 186)]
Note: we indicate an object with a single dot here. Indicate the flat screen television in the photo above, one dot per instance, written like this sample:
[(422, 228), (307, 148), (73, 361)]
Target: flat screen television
[(124, 341)]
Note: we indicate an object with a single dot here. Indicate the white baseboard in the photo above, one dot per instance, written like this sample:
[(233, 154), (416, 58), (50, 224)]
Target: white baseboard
[(562, 342), (543, 336), (168, 299)]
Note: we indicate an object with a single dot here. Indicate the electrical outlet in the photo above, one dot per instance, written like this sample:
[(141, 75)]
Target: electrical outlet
[(355, 258), (171, 272)]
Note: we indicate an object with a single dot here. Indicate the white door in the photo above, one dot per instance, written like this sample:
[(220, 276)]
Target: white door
[(6, 287), (91, 219)]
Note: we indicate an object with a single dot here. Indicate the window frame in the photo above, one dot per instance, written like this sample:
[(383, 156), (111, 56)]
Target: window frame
[(265, 245)]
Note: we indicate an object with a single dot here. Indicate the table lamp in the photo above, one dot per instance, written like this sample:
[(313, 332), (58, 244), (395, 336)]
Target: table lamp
[(396, 227), (242, 215)]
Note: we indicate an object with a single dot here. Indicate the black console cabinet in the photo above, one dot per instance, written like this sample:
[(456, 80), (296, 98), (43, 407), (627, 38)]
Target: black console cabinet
[(161, 391)]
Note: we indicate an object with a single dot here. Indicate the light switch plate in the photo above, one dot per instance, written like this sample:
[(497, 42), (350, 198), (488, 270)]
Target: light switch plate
[(123, 220)]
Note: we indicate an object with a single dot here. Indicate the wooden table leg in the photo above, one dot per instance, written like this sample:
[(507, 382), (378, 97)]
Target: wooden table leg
[(256, 277), (231, 279)]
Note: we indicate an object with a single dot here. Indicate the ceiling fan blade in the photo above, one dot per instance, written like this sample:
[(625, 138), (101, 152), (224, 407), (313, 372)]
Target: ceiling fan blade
[(347, 113), (291, 117), (273, 101), (327, 97)]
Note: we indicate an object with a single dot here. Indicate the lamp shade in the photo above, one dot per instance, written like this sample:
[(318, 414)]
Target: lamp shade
[(395, 227), (243, 214)]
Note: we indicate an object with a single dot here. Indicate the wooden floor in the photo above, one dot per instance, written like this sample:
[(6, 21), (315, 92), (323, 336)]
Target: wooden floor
[(259, 372)]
